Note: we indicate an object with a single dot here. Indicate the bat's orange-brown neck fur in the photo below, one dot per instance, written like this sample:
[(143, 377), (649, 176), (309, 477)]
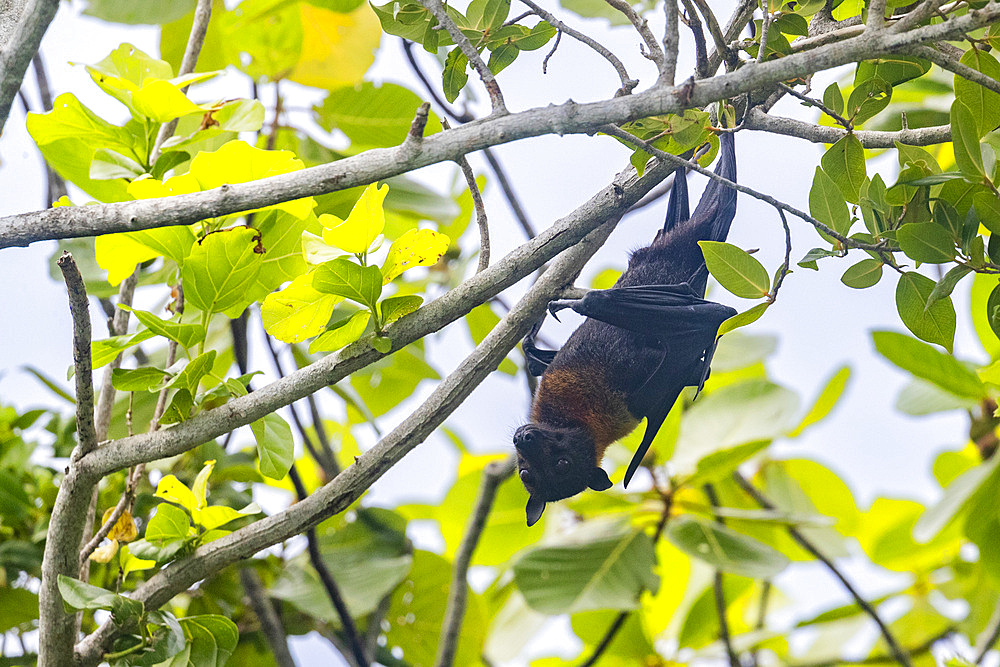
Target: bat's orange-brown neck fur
[(568, 397)]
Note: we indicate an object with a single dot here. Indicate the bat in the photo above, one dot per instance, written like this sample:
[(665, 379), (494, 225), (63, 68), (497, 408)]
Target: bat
[(643, 341)]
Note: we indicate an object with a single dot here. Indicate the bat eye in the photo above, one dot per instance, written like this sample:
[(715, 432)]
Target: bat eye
[(562, 465)]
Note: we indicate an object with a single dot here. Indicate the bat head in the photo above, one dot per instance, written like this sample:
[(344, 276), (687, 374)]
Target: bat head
[(555, 463)]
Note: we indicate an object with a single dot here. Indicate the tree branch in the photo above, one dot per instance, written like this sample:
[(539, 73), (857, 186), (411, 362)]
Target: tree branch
[(739, 20), (846, 124), (494, 475), (714, 30), (492, 87), (80, 309), (199, 27), (898, 653), (955, 67), (691, 20), (337, 495), (694, 166), (820, 134), (270, 624), (654, 52), (628, 83), (357, 649), (19, 49), (671, 43), (378, 164)]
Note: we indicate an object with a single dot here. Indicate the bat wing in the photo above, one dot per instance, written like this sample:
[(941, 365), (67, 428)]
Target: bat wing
[(685, 327)]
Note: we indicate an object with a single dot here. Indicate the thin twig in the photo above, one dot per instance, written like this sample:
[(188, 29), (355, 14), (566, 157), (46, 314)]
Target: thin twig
[(955, 67), (329, 465), (329, 584), (494, 475), (765, 597), (415, 135), (199, 27), (788, 257), (691, 20), (460, 116), (716, 32), (492, 87), (477, 201), (847, 125), (765, 28), (899, 654), (552, 52), (55, 184), (671, 43), (918, 15), (719, 593), (694, 166), (270, 625), (628, 83), (654, 52), (80, 309)]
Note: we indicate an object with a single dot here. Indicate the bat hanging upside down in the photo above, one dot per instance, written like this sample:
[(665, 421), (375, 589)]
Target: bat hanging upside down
[(643, 341)]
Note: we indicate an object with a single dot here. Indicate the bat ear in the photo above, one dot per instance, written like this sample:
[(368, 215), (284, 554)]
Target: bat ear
[(598, 480), (534, 509)]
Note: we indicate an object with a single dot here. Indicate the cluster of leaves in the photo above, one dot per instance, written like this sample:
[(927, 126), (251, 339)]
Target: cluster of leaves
[(484, 24)]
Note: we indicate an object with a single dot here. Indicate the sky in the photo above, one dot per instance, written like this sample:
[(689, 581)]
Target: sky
[(821, 324)]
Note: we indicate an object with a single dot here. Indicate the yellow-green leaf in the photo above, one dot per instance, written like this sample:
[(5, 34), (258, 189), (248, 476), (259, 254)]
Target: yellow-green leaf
[(298, 312), (219, 267), (363, 225), (735, 269), (343, 333), (417, 247), (337, 48)]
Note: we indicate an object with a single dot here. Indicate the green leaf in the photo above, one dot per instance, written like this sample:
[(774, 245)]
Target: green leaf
[(944, 287), (748, 316), (343, 333), (487, 14), (109, 165), (605, 573), (18, 607), (827, 203), (932, 322), (140, 379), (211, 639), (833, 99), (864, 274), (893, 69), (868, 98), (826, 400), (724, 548), (993, 310), (137, 13), (929, 363), (187, 335), (956, 498), (965, 136), (926, 242), (373, 116), (395, 307), (275, 447), (501, 56), (844, 162), (987, 206), (981, 101), (362, 284), (169, 524), (79, 595), (218, 269), (191, 375), (735, 269), (297, 312), (454, 76), (810, 258)]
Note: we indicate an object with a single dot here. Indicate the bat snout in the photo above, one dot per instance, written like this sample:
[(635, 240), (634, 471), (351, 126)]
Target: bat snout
[(527, 438)]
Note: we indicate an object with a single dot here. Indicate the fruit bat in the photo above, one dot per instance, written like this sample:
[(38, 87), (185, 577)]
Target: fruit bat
[(643, 341)]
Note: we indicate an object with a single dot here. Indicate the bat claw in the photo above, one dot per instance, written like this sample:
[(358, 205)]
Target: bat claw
[(560, 304)]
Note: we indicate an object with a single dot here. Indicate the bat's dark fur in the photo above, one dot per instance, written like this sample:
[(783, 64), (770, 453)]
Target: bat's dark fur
[(606, 378)]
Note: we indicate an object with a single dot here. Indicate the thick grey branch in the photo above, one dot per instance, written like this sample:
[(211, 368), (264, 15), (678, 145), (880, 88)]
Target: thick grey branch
[(370, 166), (337, 495), (819, 134), (671, 42), (955, 67), (20, 48)]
